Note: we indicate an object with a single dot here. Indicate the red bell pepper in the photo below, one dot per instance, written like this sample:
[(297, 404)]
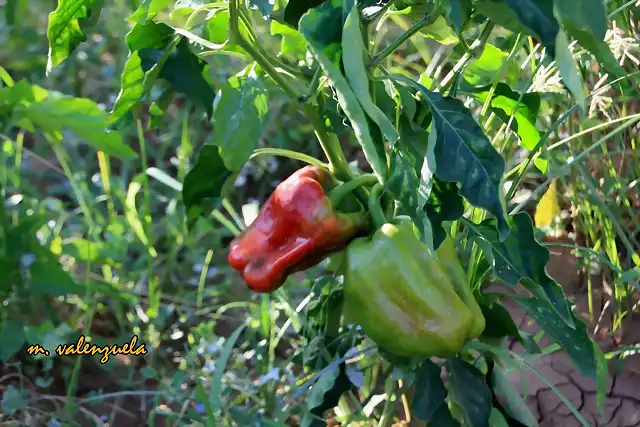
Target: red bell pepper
[(296, 228)]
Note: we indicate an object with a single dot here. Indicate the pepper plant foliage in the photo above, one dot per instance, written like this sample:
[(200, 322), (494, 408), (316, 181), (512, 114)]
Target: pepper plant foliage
[(419, 138)]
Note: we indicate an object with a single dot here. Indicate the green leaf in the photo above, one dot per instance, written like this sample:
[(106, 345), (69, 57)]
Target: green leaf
[(499, 323), (48, 278), (464, 154), (296, 8), (204, 181), (322, 29), (521, 259), (537, 16), (511, 400), (483, 71), (292, 43), (183, 71), (411, 191), (444, 204), (221, 363), (141, 36), (503, 104), (80, 116), (470, 391), (321, 387), (264, 6), (239, 119), (65, 31), (500, 14), (575, 341), (13, 400), (11, 339), (429, 395), (356, 74), (457, 12), (148, 9), (586, 21), (569, 70)]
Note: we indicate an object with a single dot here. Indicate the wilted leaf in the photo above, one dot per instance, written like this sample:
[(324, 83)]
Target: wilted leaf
[(548, 207)]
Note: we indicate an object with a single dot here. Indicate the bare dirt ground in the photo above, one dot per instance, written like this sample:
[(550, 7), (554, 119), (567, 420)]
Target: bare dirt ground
[(622, 405)]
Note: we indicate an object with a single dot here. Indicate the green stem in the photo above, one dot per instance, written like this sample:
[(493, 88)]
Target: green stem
[(387, 413), (329, 142), (426, 20), (288, 154), (464, 60), (375, 209), (338, 193)]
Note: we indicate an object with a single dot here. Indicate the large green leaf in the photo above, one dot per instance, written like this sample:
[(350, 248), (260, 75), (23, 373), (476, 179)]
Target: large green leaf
[(464, 154), (411, 191), (468, 388), (81, 116), (292, 43), (444, 204), (141, 36), (483, 71), (457, 12), (239, 119), (429, 402), (183, 71), (501, 14), (296, 8), (322, 29), (204, 182), (356, 74), (521, 259), (575, 341), (537, 16), (65, 29), (504, 104), (148, 9), (48, 278), (11, 339)]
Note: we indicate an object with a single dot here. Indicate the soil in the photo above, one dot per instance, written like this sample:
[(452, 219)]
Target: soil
[(622, 402)]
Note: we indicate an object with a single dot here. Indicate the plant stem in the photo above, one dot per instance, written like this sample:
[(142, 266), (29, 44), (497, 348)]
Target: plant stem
[(288, 154), (328, 141), (338, 193), (375, 209), (426, 19), (463, 61), (387, 413)]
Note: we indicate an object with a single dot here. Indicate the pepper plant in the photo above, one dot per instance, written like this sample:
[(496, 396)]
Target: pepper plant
[(414, 232)]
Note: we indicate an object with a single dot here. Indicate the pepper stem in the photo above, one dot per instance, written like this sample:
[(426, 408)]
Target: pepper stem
[(337, 194), (375, 209)]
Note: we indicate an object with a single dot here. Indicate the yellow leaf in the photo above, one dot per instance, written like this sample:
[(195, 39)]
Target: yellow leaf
[(548, 207)]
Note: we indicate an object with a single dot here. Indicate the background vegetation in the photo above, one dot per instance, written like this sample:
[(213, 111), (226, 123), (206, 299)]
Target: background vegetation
[(103, 245)]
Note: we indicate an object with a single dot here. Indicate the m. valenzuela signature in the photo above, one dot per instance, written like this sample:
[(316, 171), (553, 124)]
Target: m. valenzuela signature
[(81, 347)]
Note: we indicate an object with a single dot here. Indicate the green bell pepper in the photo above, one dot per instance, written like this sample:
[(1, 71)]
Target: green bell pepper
[(402, 294)]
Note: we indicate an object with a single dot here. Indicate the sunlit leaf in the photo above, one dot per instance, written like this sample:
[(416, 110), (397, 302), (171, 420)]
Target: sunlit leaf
[(356, 73), (148, 9), (66, 25), (483, 71), (81, 116), (239, 119)]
